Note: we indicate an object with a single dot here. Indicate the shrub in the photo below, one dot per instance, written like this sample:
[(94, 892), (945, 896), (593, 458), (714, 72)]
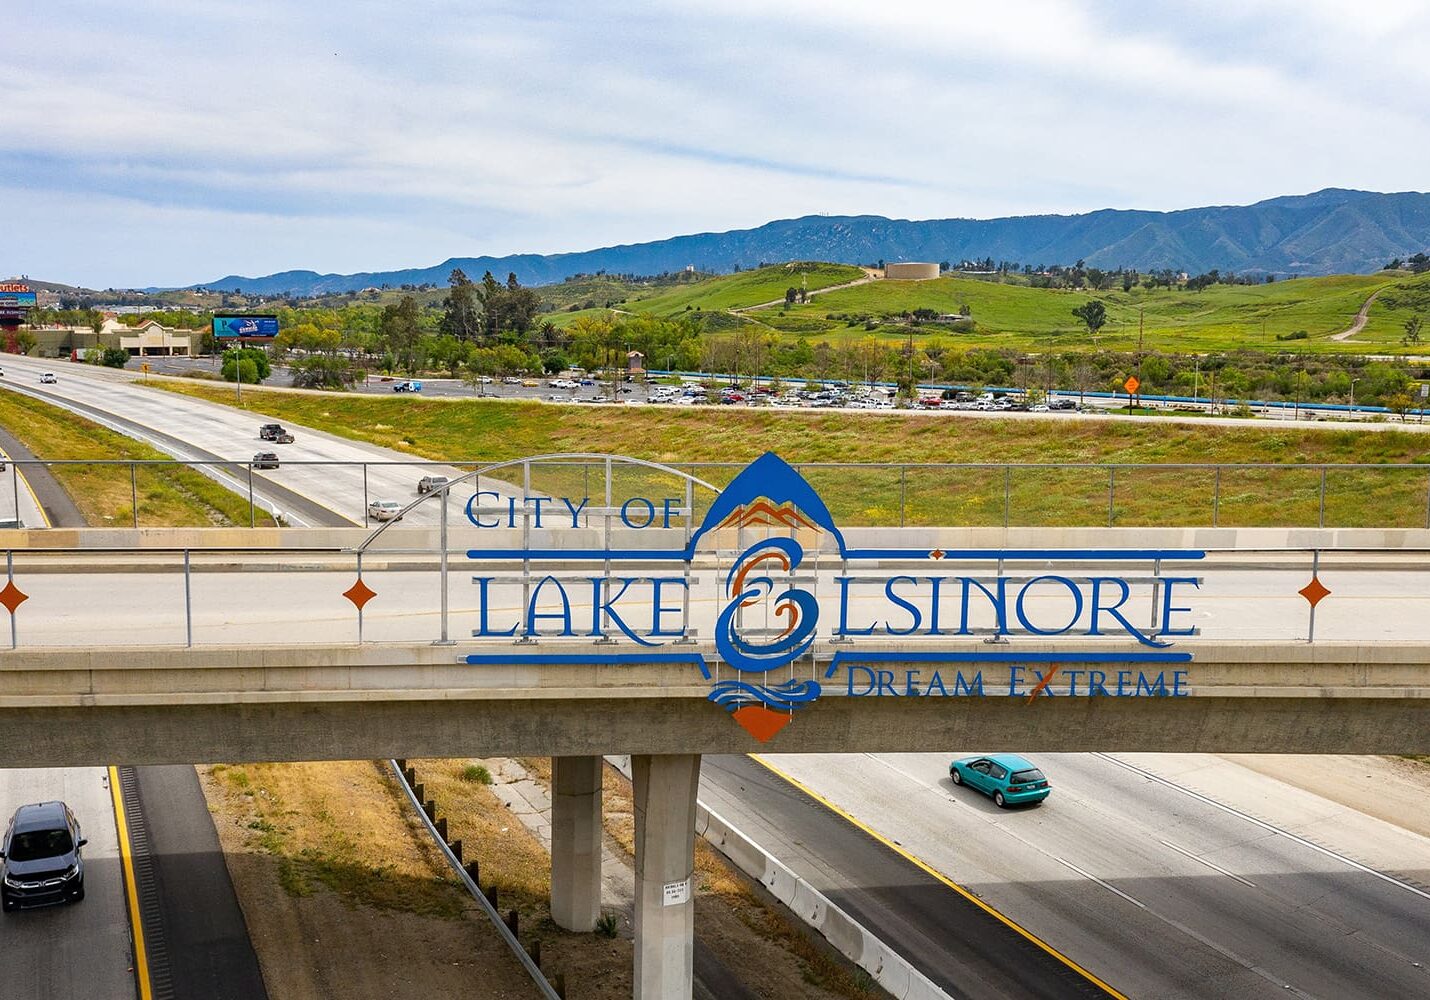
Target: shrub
[(477, 774)]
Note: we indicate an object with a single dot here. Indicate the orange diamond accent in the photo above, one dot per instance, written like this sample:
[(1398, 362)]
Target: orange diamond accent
[(760, 722), (359, 593), (12, 596), (1315, 591), (937, 554)]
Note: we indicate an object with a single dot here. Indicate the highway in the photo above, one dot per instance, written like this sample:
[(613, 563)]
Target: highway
[(1161, 878), (1157, 891), (76, 951), (197, 430)]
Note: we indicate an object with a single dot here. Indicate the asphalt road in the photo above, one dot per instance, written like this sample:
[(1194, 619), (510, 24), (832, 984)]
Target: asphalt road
[(19, 497), (1157, 891), (304, 494), (77, 951)]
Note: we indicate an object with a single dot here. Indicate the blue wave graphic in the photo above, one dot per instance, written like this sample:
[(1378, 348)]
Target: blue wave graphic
[(788, 696)]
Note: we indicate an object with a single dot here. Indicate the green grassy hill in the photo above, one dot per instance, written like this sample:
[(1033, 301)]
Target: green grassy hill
[(747, 288), (1015, 315)]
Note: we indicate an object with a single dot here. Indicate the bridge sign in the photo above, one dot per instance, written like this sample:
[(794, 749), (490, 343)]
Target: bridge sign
[(768, 532)]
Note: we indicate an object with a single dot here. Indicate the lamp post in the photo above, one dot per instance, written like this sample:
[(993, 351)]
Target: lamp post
[(1353, 397)]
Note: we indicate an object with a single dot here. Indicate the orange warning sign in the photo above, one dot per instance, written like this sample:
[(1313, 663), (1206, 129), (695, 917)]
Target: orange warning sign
[(1132, 385)]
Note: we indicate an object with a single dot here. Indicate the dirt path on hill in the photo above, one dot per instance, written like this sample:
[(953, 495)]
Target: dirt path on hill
[(869, 275), (1361, 318)]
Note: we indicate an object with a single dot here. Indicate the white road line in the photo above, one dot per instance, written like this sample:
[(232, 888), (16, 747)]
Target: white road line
[(1204, 861), (1270, 828), (1110, 888)]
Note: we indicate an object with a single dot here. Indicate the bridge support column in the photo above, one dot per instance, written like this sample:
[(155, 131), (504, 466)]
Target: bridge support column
[(665, 791), (576, 842)]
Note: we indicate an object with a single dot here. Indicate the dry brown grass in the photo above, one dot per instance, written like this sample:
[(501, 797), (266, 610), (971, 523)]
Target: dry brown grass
[(337, 825)]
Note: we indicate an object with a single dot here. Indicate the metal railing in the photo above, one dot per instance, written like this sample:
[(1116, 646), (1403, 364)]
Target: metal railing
[(969, 494)]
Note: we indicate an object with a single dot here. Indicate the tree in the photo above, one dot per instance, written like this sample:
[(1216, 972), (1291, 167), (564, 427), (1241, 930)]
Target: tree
[(791, 294), (1400, 403), (250, 362), (399, 331), (1093, 314), (26, 341), (1412, 330), (323, 371), (114, 357), (461, 315)]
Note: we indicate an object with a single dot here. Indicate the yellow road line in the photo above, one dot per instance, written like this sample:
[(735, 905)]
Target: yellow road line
[(929, 869), (21, 477), (131, 889)]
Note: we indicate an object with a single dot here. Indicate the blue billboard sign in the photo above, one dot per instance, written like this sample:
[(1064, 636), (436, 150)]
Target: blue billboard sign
[(16, 299), (245, 327)]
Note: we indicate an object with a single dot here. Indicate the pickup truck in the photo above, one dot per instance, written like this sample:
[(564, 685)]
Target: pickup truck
[(271, 432), (411, 385)]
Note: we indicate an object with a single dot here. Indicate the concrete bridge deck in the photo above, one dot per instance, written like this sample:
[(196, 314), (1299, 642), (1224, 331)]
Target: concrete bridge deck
[(161, 705)]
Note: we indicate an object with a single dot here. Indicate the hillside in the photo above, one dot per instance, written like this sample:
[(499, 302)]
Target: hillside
[(1334, 231)]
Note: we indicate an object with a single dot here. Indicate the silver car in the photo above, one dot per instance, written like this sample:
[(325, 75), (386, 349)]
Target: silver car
[(384, 510)]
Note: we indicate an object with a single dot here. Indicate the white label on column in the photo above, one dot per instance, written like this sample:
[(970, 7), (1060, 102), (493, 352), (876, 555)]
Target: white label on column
[(677, 892)]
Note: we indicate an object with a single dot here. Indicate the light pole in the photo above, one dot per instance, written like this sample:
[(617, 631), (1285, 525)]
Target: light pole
[(1353, 397)]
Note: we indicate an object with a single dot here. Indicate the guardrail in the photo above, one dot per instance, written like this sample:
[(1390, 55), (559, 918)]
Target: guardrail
[(962, 494)]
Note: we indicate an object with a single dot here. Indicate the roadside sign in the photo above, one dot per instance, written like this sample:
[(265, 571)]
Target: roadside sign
[(144, 367), (1132, 385), (1424, 389)]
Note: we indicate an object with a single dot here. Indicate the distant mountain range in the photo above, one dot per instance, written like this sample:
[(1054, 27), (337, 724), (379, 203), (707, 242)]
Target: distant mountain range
[(1330, 232)]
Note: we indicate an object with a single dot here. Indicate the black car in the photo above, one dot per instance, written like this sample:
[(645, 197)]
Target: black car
[(265, 460), (271, 432), (40, 861)]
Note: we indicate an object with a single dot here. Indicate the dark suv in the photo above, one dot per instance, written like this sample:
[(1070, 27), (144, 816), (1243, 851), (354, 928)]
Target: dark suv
[(40, 858)]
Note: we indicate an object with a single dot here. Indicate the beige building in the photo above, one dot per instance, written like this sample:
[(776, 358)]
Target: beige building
[(909, 271), (149, 339)]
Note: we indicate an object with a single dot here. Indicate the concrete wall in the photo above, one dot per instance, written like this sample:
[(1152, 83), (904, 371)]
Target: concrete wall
[(139, 706), (910, 271)]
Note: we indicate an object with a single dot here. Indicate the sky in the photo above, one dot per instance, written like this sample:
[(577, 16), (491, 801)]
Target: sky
[(159, 142)]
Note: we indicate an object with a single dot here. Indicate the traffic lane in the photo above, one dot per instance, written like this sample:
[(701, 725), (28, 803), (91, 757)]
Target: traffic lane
[(221, 431), (205, 945), (1110, 859), (74, 951), (237, 477), (948, 938), (17, 499)]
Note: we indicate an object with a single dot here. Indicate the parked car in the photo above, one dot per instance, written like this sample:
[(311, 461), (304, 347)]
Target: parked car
[(1007, 778), (270, 432), (431, 484), (40, 859), (511, 380), (265, 460), (410, 385), (48, 378), (384, 510)]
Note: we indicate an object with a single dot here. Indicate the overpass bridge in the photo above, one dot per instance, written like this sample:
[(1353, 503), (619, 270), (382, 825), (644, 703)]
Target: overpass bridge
[(636, 630)]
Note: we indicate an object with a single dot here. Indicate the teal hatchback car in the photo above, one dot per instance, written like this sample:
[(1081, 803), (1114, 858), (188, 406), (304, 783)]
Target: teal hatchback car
[(1008, 778)]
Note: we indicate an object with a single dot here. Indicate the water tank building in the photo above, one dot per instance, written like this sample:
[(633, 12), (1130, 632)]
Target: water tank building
[(910, 271)]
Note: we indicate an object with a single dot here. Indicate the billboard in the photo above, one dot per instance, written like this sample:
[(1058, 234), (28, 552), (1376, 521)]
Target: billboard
[(16, 297), (230, 327)]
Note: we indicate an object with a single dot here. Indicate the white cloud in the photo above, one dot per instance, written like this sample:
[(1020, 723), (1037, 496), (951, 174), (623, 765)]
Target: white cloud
[(345, 137)]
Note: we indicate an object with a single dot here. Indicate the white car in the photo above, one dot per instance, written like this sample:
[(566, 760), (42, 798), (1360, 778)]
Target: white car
[(48, 378), (384, 510)]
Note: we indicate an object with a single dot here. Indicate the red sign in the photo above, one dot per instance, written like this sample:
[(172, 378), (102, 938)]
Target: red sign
[(13, 286)]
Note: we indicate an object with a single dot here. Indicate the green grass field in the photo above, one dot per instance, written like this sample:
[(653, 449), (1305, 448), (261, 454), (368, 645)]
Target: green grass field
[(491, 430)]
